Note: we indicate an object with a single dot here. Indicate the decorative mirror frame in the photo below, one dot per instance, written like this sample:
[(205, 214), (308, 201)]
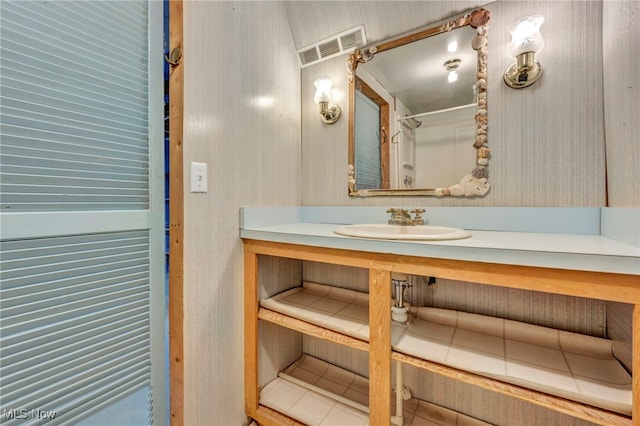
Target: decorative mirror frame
[(476, 182)]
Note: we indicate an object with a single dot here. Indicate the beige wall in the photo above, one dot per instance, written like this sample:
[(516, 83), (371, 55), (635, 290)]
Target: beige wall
[(547, 141), (234, 52), (621, 41)]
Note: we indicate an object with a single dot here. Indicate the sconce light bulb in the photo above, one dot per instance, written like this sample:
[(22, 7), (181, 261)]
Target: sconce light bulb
[(452, 47), (524, 28), (453, 76), (323, 90), (525, 35), (330, 113)]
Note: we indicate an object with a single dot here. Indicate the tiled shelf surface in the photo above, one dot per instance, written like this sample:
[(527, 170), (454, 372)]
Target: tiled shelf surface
[(315, 392), (569, 365)]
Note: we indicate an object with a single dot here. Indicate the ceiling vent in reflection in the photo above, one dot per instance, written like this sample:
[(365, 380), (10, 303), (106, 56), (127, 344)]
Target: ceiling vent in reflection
[(345, 42)]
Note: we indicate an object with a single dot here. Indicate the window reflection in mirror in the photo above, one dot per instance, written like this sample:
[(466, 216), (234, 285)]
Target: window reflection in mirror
[(418, 118), (371, 138)]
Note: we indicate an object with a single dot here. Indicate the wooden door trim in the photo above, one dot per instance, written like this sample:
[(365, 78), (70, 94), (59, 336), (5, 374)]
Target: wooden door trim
[(176, 217)]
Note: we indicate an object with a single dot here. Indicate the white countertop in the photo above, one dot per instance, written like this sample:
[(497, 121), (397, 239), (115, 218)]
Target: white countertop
[(578, 251)]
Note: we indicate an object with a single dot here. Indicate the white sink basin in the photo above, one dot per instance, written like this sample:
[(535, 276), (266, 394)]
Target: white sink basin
[(397, 232)]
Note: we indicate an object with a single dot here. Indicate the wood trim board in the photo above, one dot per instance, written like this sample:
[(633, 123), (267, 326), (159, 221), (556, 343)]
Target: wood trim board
[(176, 218)]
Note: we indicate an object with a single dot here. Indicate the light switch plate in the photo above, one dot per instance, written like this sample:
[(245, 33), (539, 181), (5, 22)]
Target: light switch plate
[(198, 177)]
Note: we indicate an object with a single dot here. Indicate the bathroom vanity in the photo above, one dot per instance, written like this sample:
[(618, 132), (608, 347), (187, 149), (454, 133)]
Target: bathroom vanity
[(589, 253)]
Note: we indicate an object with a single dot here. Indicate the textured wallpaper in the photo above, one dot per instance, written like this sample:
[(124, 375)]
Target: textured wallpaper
[(242, 118), (547, 141)]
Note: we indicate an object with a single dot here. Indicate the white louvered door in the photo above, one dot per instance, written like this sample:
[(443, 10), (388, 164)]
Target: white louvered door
[(81, 210)]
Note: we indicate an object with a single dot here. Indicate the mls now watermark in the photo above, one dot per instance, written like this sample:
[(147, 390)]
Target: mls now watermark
[(27, 414)]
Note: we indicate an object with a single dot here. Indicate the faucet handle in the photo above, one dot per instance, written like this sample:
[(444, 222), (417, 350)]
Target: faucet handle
[(418, 218), (396, 216)]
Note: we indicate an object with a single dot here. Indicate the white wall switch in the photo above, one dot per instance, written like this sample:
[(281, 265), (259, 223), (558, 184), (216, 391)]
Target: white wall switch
[(198, 177)]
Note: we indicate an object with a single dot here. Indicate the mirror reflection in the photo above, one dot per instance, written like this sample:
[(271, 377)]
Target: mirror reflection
[(418, 118)]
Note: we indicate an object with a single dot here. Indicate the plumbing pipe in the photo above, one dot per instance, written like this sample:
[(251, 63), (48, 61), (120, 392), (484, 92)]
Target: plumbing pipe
[(399, 281), (399, 408), (399, 310), (400, 314)]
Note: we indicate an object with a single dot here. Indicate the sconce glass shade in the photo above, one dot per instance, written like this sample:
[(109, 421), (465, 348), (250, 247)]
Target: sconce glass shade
[(330, 113), (526, 41), (323, 90), (525, 36)]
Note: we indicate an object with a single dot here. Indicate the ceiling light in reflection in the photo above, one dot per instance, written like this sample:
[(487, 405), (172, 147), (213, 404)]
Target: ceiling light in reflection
[(451, 66), (452, 47)]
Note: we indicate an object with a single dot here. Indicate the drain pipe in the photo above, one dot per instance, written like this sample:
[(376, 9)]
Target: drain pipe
[(403, 393), (398, 418), (399, 310), (399, 314)]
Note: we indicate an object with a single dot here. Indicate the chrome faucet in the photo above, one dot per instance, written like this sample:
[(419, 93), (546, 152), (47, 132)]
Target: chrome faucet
[(403, 218)]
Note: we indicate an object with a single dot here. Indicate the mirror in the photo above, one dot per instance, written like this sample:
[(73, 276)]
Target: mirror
[(418, 112)]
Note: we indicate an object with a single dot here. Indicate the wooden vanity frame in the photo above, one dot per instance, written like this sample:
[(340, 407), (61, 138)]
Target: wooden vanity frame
[(595, 285)]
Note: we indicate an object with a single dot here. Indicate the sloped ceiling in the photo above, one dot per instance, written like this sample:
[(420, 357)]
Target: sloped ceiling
[(312, 21)]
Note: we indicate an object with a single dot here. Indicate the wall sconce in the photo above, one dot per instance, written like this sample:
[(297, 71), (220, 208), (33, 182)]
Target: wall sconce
[(329, 112), (526, 41)]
